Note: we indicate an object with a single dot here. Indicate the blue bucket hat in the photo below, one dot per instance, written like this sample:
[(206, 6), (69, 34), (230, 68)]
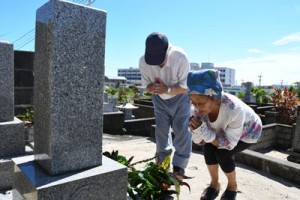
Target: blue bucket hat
[(206, 82)]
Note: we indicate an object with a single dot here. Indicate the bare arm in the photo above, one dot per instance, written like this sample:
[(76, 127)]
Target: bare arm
[(160, 88), (176, 89)]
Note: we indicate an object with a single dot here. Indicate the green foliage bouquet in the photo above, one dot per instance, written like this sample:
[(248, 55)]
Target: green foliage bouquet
[(153, 182)]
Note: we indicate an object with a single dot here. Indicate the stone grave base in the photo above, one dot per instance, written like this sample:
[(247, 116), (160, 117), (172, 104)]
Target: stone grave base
[(108, 181), (6, 174), (7, 170), (12, 140), (294, 156)]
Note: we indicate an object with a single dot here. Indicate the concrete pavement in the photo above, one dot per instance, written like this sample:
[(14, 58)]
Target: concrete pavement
[(252, 184)]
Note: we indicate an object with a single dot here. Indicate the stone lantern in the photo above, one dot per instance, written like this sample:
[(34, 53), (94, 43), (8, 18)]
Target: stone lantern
[(127, 108)]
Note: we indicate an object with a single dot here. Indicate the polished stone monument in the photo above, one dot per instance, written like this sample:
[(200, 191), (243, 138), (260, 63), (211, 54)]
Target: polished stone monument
[(12, 142), (68, 97), (6, 82), (294, 154), (248, 97)]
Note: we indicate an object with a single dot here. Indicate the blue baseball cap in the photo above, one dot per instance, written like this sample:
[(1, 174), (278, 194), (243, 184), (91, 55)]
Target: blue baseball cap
[(156, 48)]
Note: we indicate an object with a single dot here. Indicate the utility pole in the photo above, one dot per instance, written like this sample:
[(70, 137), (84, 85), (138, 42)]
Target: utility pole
[(242, 84), (90, 2), (259, 80)]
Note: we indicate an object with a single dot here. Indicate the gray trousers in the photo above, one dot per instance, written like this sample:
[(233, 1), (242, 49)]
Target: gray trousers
[(173, 113)]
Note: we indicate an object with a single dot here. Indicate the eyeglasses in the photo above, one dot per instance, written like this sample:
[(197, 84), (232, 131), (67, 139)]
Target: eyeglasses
[(200, 103)]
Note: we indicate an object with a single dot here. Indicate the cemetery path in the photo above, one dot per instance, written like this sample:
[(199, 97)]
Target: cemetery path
[(252, 184)]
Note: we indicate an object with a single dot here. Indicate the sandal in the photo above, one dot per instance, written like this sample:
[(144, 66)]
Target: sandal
[(209, 193), (178, 172), (228, 195)]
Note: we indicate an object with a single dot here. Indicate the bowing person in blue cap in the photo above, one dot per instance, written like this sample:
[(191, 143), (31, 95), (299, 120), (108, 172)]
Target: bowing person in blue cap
[(222, 123), (164, 69)]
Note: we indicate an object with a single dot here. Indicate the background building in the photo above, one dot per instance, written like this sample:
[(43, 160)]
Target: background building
[(133, 75), (115, 81), (194, 67), (227, 76), (207, 65)]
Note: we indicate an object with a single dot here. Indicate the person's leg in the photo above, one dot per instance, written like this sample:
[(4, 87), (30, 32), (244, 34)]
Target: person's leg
[(162, 131), (231, 181), (214, 175), (179, 108), (212, 191), (212, 165), (226, 161)]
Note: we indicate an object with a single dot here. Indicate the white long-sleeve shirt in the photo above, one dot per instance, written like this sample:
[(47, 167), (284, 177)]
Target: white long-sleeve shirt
[(236, 121), (175, 71)]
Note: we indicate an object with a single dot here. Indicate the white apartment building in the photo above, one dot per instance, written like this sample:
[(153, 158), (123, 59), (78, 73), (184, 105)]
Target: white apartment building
[(133, 75), (194, 67), (227, 76), (207, 65), (114, 81)]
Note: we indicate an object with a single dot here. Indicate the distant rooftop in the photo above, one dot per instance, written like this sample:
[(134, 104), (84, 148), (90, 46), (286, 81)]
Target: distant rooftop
[(121, 78)]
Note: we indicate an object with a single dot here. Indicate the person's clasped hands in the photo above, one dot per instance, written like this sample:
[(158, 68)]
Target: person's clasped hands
[(195, 122), (159, 87), (200, 132)]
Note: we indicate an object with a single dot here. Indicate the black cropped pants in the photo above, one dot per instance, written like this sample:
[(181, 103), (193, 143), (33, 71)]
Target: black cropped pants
[(223, 157)]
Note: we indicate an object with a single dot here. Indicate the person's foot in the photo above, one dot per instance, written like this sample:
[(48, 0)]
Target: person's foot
[(210, 193), (229, 195), (178, 172)]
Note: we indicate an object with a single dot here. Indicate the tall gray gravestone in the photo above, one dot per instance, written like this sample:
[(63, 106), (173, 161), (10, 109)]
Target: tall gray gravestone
[(6, 82), (12, 129), (69, 75), (248, 97), (295, 150)]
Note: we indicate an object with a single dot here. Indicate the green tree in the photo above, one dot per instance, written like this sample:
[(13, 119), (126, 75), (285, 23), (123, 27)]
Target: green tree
[(241, 95), (111, 91), (298, 89), (259, 93), (292, 89)]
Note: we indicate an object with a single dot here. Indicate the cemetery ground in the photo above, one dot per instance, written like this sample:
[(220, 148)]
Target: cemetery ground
[(252, 184)]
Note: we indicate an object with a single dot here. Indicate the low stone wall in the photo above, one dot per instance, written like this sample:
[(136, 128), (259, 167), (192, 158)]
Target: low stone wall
[(287, 170), (275, 135), (139, 127), (113, 123), (267, 139), (263, 109), (144, 111), (146, 102), (284, 136)]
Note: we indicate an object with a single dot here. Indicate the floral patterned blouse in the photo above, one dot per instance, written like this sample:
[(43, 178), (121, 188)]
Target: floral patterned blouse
[(236, 121)]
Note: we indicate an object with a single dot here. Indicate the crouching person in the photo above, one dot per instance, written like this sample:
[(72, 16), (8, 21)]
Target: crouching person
[(224, 124)]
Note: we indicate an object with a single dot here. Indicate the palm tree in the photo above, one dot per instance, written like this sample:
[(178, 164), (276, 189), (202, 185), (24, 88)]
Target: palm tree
[(259, 93)]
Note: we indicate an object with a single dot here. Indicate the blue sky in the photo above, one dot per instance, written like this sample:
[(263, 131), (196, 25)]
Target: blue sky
[(255, 37)]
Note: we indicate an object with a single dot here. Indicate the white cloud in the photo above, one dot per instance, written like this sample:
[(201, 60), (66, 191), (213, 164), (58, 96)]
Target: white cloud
[(274, 68), (255, 51), (294, 37)]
